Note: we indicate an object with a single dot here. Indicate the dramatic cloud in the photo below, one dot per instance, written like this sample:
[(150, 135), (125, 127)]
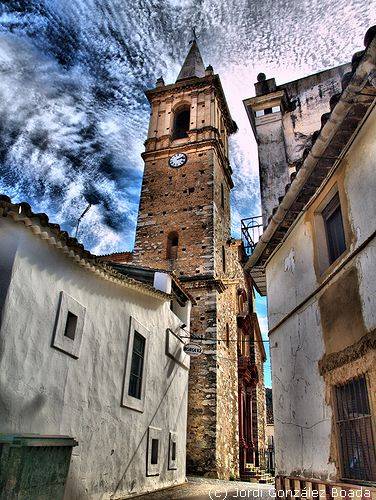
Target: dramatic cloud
[(73, 116)]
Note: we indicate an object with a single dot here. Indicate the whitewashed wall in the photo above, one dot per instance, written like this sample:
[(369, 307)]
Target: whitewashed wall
[(303, 419), (45, 391)]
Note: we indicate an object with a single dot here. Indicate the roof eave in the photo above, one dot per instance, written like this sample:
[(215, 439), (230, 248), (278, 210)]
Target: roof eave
[(366, 68), (38, 224)]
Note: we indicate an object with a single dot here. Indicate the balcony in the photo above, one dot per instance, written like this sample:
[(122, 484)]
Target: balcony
[(251, 229), (247, 370)]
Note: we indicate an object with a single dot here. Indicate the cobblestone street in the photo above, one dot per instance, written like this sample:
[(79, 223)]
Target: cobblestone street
[(204, 489)]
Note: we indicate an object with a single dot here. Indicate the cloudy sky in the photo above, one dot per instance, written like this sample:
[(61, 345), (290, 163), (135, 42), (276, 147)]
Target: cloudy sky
[(73, 116)]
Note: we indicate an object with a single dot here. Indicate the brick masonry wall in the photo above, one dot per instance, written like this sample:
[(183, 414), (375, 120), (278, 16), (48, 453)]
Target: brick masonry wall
[(227, 386), (261, 413), (188, 201), (177, 200), (202, 401)]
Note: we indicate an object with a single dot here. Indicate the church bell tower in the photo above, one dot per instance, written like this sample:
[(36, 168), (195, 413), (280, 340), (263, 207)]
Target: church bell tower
[(184, 226)]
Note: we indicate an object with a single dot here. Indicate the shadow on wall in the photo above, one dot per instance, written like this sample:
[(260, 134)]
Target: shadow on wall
[(8, 399), (147, 427)]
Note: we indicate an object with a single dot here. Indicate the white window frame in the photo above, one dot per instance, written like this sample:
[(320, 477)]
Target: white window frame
[(154, 469), (173, 438), (61, 341), (127, 400)]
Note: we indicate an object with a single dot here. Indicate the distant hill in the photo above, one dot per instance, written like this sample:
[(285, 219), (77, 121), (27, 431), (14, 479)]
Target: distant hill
[(269, 405)]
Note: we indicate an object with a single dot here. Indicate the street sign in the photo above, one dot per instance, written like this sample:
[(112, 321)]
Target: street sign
[(192, 349)]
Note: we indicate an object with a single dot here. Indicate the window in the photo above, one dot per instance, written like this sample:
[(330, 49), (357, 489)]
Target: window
[(172, 456), (330, 226), (222, 196), (181, 122), (242, 301), (227, 335), (173, 452), (354, 431), (153, 451), (267, 111), (223, 259), (69, 326), (172, 245), (137, 365), (335, 234)]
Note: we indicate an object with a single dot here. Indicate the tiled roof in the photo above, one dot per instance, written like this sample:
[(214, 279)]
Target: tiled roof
[(129, 266), (117, 257), (39, 224), (193, 65)]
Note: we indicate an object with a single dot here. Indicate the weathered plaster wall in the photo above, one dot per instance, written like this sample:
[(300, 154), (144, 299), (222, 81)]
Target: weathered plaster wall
[(45, 391), (302, 419), (283, 134), (360, 183), (273, 165), (332, 322), (310, 98), (292, 269)]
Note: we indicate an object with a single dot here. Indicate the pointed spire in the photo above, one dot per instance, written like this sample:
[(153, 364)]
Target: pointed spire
[(193, 64)]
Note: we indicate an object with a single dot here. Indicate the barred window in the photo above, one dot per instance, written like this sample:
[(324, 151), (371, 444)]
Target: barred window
[(354, 430)]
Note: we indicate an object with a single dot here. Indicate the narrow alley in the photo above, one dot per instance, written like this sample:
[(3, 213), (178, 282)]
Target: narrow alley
[(213, 489)]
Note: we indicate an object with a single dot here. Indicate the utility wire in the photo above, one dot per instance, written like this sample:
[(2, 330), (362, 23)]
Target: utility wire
[(201, 337)]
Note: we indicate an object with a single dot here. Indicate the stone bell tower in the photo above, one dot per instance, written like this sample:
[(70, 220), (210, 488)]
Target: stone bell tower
[(184, 225)]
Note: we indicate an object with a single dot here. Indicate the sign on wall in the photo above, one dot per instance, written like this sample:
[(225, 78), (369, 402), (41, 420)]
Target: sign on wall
[(192, 349)]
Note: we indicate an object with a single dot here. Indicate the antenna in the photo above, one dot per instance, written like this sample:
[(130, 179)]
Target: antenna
[(194, 39), (81, 217)]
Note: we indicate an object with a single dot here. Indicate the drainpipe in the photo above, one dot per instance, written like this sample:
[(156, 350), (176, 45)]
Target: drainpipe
[(348, 97)]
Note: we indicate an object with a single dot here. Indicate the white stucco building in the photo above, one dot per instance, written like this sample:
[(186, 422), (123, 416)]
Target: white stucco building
[(316, 262), (90, 352)]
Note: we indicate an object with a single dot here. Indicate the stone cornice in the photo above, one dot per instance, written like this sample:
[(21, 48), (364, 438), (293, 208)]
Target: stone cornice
[(204, 281), (351, 353)]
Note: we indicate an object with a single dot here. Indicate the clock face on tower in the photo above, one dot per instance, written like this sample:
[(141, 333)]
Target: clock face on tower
[(177, 160)]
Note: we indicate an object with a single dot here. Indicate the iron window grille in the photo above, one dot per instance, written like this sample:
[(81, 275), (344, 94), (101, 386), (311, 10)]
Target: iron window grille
[(354, 422), (137, 365)]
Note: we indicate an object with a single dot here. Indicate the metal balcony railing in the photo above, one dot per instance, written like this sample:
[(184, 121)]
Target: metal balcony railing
[(251, 229)]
